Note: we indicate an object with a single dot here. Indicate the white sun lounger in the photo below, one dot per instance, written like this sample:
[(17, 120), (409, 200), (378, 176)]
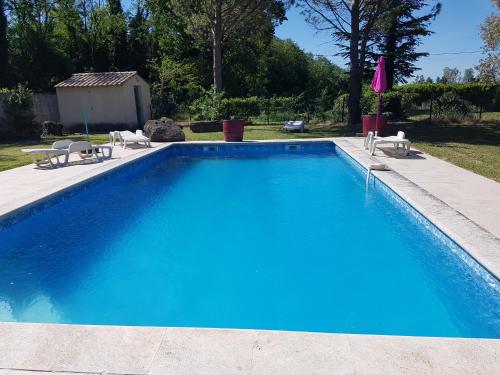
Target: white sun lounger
[(127, 137), (84, 149), (46, 156), (294, 125), (64, 148), (400, 143)]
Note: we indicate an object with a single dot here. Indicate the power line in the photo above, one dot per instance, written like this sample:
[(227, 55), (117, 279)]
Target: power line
[(455, 53), (430, 54)]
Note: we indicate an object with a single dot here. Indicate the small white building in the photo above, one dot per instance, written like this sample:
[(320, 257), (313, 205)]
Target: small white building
[(109, 101)]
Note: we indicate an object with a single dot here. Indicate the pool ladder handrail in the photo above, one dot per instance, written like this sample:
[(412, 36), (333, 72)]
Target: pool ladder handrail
[(375, 167)]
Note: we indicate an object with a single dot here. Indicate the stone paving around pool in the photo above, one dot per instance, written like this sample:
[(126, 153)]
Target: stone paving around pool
[(464, 205), (444, 193), (474, 196), (26, 185), (38, 349)]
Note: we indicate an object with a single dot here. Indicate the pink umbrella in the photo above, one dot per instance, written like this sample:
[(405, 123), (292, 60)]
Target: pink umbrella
[(379, 85)]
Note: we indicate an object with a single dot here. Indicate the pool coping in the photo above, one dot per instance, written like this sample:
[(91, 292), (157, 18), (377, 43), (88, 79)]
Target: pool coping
[(30, 348), (482, 245), (8, 211), (149, 350)]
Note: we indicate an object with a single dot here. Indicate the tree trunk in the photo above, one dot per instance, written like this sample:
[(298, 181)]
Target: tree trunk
[(4, 47), (390, 50), (355, 74), (217, 46)]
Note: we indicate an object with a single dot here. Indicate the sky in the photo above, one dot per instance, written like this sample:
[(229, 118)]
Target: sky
[(456, 29)]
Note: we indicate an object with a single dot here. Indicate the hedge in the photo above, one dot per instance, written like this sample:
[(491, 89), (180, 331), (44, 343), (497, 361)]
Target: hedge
[(18, 107), (244, 108), (402, 99), (478, 94), (397, 103)]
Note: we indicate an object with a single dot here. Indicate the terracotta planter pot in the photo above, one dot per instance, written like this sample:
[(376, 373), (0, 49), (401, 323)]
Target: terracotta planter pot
[(233, 130), (370, 124)]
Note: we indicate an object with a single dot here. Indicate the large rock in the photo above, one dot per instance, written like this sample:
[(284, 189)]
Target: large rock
[(164, 130)]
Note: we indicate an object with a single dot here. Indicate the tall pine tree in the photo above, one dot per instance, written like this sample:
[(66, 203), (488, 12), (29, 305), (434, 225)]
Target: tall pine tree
[(4, 47), (399, 34)]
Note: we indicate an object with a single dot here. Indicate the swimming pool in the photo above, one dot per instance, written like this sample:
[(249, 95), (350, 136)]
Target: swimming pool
[(261, 236)]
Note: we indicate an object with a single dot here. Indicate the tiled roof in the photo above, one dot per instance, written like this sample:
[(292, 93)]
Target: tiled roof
[(97, 79)]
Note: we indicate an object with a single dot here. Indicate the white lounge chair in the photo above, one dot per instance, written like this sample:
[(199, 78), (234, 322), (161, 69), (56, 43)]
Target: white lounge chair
[(400, 143), (293, 126), (46, 156), (84, 149), (66, 147), (127, 137)]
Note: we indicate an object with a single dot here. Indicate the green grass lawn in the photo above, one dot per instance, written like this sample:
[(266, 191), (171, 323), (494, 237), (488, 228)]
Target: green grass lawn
[(12, 157), (273, 131), (423, 115), (474, 147)]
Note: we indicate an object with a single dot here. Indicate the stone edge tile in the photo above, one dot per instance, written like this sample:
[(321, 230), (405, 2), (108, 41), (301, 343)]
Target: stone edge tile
[(475, 240)]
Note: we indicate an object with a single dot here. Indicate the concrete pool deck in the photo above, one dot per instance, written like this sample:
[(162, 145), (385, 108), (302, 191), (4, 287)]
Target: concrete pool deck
[(427, 183), (23, 186), (60, 349), (424, 181), (474, 196)]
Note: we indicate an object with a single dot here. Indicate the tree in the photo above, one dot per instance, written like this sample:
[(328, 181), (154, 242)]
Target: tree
[(352, 24), (117, 30), (419, 79), (34, 56), (96, 25), (468, 75), (450, 75), (326, 82), (139, 39), (4, 46), (399, 34), (219, 21), (69, 36), (287, 68), (489, 67)]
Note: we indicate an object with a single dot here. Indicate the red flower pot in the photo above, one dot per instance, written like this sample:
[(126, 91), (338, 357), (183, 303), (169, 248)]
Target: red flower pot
[(233, 130), (370, 124)]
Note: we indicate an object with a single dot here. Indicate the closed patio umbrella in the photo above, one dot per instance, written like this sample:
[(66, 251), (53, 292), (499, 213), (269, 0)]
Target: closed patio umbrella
[(379, 85)]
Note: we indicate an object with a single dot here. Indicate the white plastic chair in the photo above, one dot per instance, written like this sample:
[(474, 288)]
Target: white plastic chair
[(127, 137), (294, 125), (396, 141)]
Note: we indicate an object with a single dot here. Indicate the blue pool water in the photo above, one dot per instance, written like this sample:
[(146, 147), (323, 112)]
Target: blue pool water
[(287, 240)]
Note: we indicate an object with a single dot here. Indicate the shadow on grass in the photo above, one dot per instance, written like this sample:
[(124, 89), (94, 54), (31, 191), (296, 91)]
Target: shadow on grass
[(311, 131), (441, 134)]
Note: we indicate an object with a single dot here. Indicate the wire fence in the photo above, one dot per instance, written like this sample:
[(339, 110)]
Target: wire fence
[(268, 111)]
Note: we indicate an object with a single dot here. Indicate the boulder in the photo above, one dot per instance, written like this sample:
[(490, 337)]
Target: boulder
[(164, 130), (206, 126)]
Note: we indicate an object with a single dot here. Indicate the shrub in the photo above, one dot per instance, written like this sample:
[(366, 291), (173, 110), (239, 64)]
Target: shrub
[(240, 108), (476, 93), (339, 110), (451, 106), (368, 101), (216, 107), (208, 106), (51, 128), (18, 105), (206, 126)]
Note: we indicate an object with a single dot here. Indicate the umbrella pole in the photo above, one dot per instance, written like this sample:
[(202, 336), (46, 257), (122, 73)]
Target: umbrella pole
[(379, 112), (84, 115)]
